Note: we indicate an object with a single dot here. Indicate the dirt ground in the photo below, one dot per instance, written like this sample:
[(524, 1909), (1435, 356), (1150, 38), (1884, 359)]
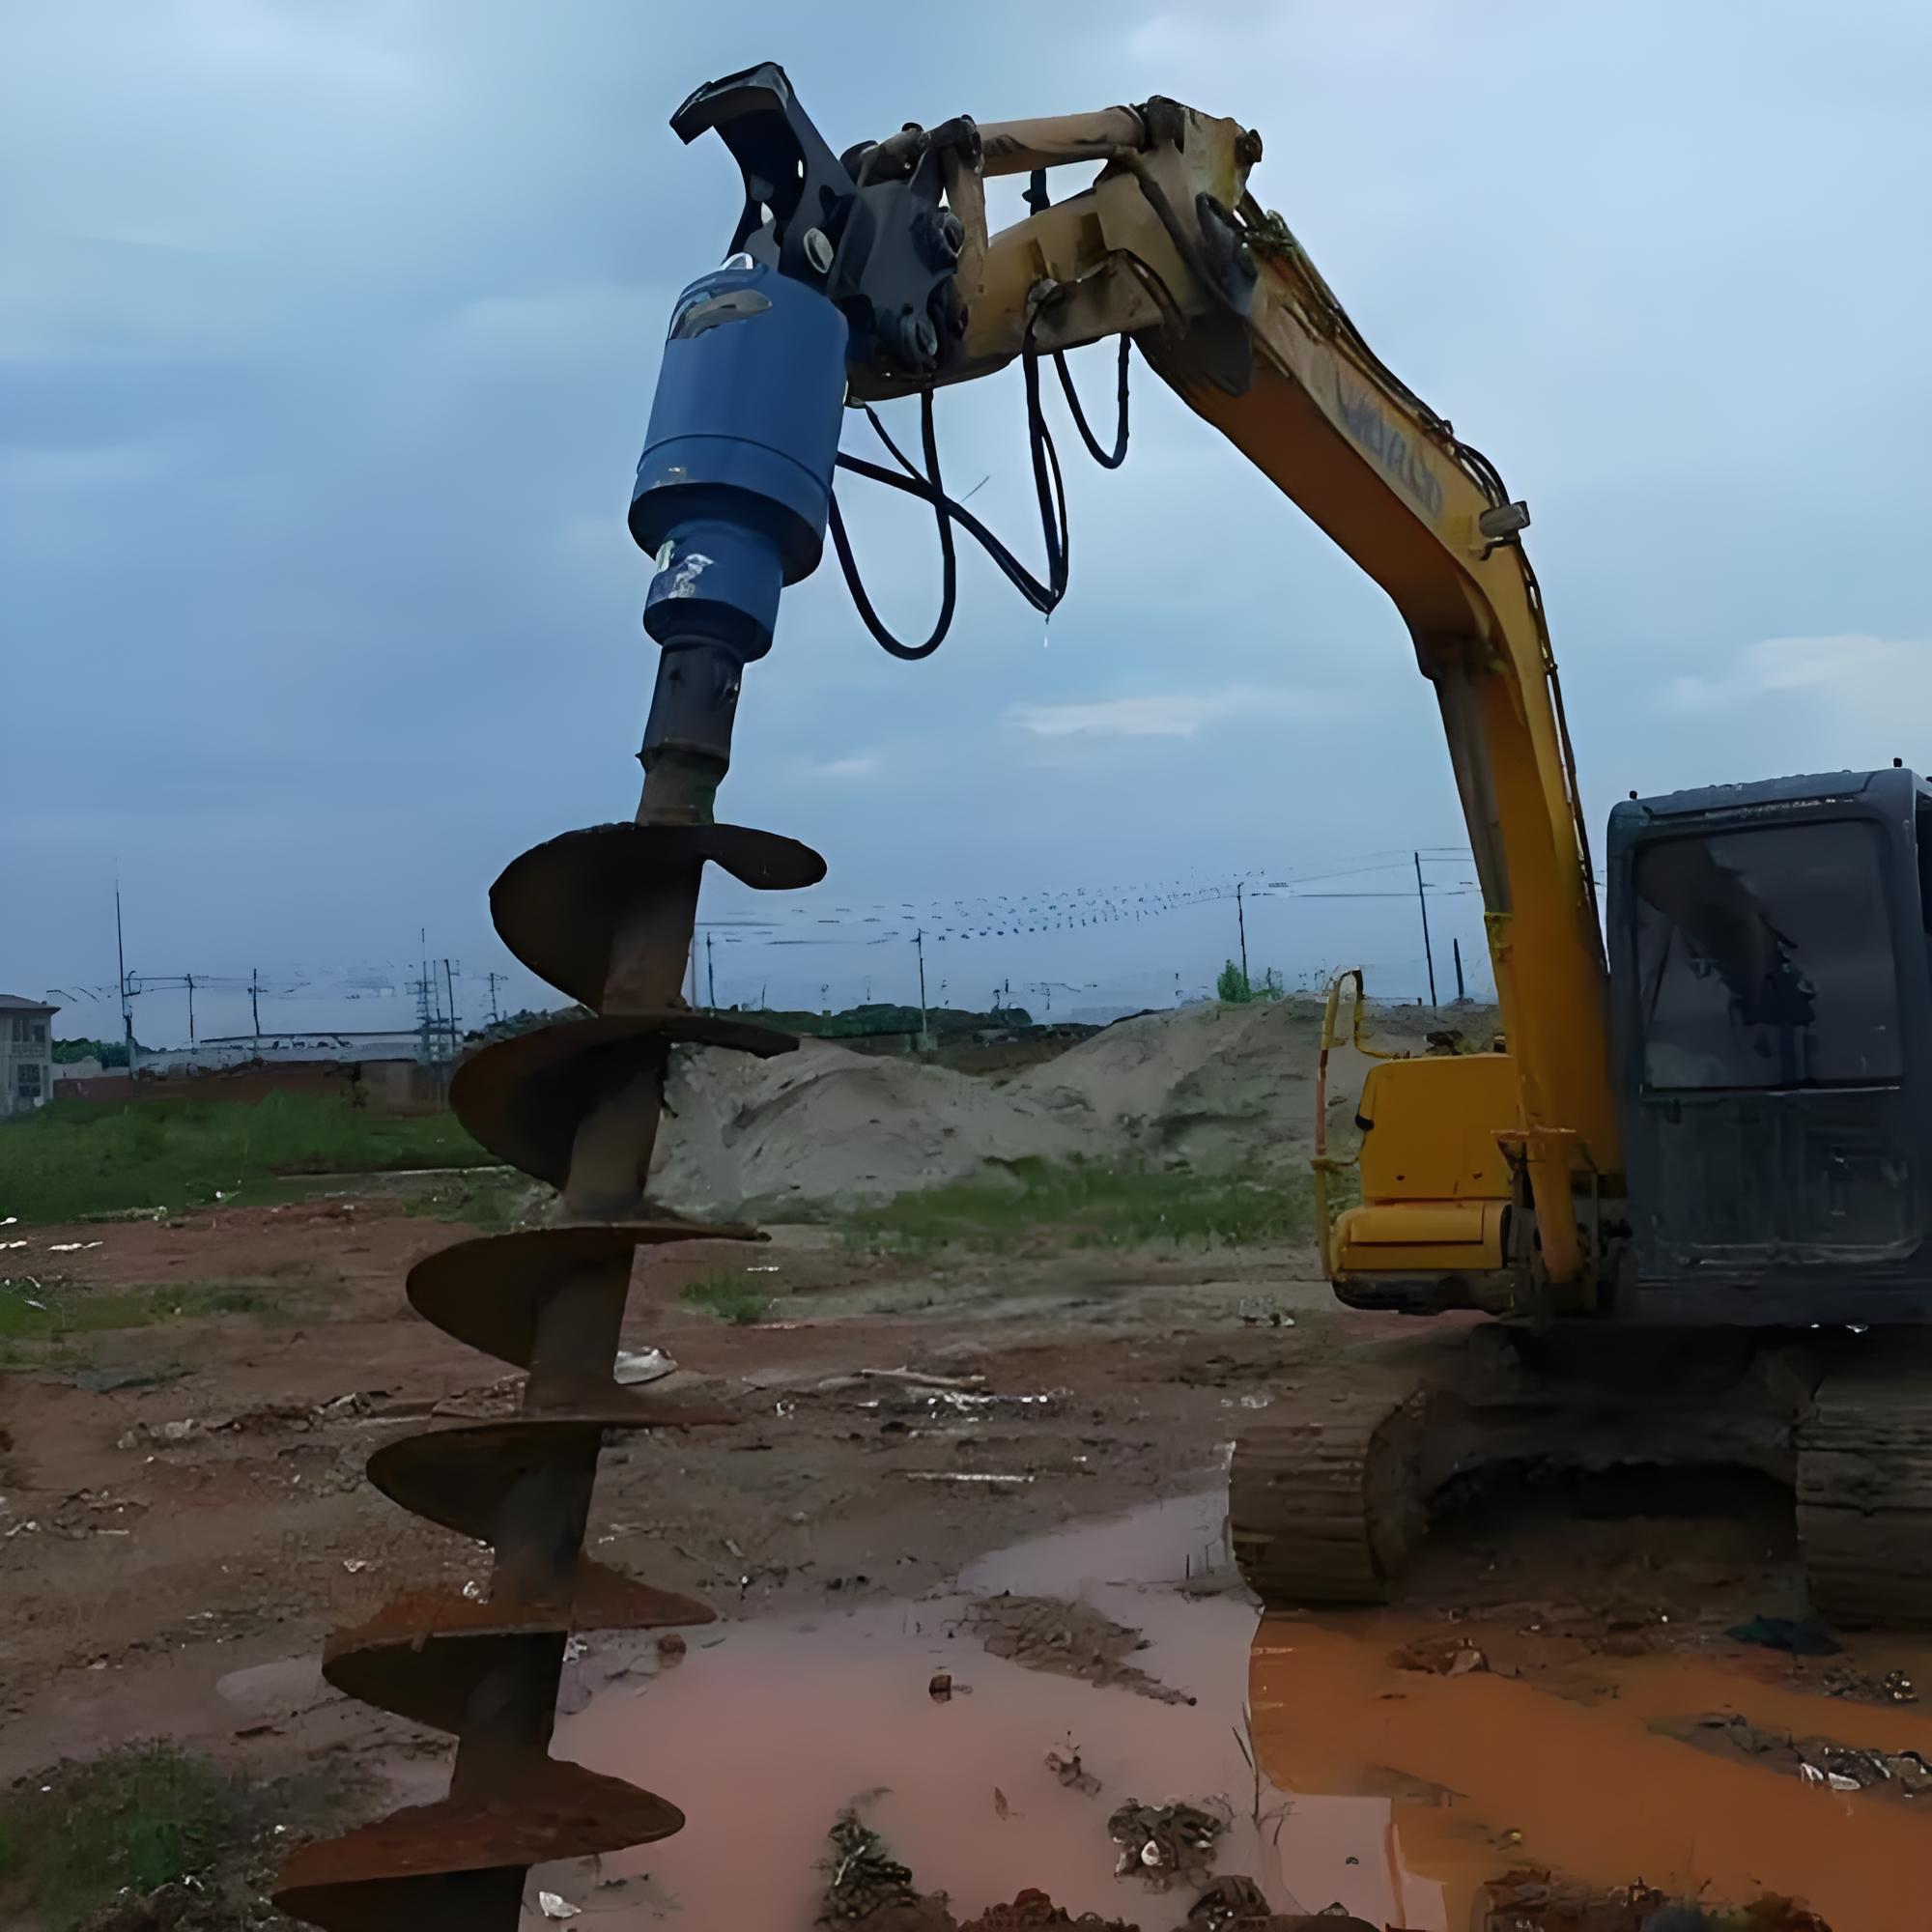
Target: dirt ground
[(160, 1534), (183, 1513)]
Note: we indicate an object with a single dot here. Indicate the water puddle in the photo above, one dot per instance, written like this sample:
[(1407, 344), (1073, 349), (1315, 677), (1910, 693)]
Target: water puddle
[(765, 1733), (1570, 1774), (1393, 1792)]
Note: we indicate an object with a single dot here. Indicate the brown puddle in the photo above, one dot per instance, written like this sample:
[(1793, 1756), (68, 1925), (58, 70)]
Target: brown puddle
[(1581, 1775), (1395, 1793)]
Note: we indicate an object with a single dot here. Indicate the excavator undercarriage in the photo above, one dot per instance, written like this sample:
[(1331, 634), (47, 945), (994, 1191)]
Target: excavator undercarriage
[(1804, 1361), (1331, 1494)]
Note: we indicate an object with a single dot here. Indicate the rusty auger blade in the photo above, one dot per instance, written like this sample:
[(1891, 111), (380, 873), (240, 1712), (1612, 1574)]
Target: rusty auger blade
[(732, 499), (607, 915)]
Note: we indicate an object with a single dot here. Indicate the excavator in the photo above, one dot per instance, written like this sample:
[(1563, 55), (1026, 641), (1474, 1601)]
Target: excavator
[(1689, 1187), (1693, 1185)]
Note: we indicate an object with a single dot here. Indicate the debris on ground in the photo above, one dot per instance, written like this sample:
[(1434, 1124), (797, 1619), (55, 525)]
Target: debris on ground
[(867, 1888), (1064, 1761), (1891, 1687), (914, 1378), (1032, 1908), (1822, 1761), (161, 1434), (1069, 1639), (1533, 1900), (1800, 1636), (1229, 1903), (1165, 1842), (642, 1365), (999, 1481), (939, 1687), (936, 1399), (553, 1905), (1440, 1656), (864, 1881)]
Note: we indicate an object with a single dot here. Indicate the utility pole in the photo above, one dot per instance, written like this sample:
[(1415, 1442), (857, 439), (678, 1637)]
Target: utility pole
[(255, 999), (449, 986), (1456, 947), (1241, 923), (710, 975), (188, 979), (496, 1017), (426, 1000), (1421, 899), (919, 946), (425, 1009), (127, 1011)]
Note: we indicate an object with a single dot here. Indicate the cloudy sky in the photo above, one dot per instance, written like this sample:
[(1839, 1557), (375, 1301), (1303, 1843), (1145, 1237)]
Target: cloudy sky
[(329, 333)]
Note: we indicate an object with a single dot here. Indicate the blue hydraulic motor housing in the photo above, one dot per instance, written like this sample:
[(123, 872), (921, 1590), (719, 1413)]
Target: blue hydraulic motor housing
[(826, 271), (734, 485)]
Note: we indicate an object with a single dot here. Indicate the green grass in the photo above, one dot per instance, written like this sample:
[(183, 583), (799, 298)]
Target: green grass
[(1077, 1204), (77, 1157), (52, 1312), (138, 1818), (493, 1201), (729, 1297)]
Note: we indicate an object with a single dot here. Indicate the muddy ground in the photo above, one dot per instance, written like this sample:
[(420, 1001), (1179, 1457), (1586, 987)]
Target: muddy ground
[(183, 1517)]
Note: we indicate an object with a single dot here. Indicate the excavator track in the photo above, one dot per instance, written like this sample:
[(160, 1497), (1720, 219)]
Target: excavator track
[(606, 915), (1330, 1490), (1324, 1506), (1864, 1486)]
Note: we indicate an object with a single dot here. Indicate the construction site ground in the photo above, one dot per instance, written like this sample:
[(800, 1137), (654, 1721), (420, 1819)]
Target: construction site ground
[(963, 1534), (174, 1550)]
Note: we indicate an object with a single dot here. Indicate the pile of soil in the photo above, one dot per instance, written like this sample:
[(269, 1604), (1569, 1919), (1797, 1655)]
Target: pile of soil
[(827, 1129)]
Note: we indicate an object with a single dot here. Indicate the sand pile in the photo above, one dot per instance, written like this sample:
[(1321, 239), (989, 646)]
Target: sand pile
[(827, 1127), (1210, 1087)]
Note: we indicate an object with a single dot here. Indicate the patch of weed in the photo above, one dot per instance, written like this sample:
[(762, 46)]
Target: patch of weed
[(491, 1201), (77, 1157), (1084, 1205), (136, 1819), (151, 1835), (50, 1309), (730, 1297)]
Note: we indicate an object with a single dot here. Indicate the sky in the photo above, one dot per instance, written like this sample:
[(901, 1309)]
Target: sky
[(328, 338)]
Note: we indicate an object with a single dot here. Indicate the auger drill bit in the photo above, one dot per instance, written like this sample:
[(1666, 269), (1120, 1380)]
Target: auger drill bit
[(731, 498)]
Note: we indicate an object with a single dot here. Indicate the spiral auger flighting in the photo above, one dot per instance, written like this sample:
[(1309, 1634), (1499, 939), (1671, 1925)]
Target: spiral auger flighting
[(605, 915)]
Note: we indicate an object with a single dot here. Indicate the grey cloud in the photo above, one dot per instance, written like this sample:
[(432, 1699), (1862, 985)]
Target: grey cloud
[(330, 336)]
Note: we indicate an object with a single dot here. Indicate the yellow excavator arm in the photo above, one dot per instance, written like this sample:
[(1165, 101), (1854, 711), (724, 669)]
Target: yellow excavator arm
[(1166, 245)]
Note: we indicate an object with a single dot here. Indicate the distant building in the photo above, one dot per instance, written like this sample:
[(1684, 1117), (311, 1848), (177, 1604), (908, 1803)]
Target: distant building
[(381, 1070), (26, 1053)]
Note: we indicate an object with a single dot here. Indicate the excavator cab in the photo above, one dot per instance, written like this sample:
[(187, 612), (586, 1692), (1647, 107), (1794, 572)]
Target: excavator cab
[(1772, 996)]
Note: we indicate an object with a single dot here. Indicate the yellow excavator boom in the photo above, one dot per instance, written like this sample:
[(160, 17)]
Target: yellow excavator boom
[(1167, 247)]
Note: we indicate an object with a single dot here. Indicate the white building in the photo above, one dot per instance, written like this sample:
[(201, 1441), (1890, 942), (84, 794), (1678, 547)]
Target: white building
[(26, 1053)]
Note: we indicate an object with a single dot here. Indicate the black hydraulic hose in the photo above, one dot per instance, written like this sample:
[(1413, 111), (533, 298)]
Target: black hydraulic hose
[(1118, 454), (1049, 488), (943, 510)]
